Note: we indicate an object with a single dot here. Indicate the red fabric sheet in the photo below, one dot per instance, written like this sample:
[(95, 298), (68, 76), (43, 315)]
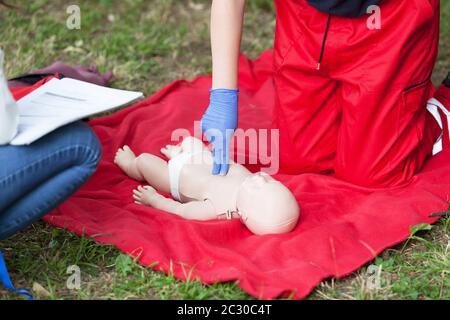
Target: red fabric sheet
[(342, 226)]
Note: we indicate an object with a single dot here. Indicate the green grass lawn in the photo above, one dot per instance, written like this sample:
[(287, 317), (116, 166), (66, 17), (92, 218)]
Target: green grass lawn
[(148, 44)]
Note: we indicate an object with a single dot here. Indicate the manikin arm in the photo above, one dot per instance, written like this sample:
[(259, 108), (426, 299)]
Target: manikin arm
[(194, 210), (193, 145)]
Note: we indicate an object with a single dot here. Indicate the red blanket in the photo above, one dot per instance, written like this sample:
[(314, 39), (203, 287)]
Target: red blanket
[(341, 227)]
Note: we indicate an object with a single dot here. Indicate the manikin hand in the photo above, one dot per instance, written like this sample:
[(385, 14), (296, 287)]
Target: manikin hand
[(171, 151), (218, 124), (145, 195)]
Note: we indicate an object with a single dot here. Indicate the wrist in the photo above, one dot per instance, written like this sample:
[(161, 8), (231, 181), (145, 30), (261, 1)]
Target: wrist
[(222, 98), (224, 90)]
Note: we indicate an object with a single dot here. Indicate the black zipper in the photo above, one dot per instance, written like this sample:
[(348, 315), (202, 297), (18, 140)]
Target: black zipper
[(417, 84), (324, 40)]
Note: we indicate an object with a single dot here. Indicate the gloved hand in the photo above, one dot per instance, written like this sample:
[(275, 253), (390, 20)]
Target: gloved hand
[(218, 124)]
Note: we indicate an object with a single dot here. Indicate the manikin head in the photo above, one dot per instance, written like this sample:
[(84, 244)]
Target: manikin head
[(266, 206)]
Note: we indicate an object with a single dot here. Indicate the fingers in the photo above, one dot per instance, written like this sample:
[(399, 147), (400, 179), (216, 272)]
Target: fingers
[(225, 154), (221, 158), (216, 168), (220, 150), (217, 156), (220, 169), (220, 140), (167, 150), (211, 135), (224, 169)]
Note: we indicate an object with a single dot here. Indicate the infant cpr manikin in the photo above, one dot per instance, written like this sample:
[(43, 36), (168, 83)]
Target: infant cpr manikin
[(262, 203)]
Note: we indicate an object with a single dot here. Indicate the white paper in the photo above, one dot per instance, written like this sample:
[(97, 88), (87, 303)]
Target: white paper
[(59, 102)]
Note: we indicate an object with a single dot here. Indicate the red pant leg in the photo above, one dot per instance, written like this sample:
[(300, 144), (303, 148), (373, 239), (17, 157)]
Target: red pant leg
[(378, 78), (386, 132), (306, 113)]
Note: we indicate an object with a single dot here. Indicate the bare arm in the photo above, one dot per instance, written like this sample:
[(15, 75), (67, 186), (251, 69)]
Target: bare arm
[(194, 210), (226, 32)]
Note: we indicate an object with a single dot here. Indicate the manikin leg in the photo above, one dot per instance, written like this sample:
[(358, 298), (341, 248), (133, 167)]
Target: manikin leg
[(146, 167)]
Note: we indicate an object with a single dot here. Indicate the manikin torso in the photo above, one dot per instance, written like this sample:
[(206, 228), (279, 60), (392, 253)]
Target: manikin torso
[(197, 183)]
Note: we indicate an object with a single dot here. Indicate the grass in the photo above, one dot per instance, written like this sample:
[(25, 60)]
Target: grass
[(148, 44)]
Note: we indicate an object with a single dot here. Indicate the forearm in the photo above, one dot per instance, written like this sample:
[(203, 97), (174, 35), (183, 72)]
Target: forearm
[(226, 31), (194, 210)]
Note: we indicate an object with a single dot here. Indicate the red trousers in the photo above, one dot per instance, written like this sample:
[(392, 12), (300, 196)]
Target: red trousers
[(362, 115)]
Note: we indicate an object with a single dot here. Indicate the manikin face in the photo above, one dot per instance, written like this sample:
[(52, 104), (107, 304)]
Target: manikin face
[(266, 205), (256, 180)]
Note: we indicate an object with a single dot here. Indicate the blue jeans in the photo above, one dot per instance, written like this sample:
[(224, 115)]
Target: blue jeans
[(37, 178)]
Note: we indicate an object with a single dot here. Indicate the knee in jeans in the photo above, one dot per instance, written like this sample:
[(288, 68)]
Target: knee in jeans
[(94, 152), (90, 144)]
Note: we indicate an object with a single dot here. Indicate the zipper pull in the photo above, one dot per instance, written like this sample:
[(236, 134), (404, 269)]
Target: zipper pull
[(324, 40)]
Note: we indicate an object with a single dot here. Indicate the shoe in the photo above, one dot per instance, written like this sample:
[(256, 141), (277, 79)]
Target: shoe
[(439, 107)]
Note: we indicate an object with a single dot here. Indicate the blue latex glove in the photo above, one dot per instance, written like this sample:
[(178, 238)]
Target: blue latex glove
[(218, 124)]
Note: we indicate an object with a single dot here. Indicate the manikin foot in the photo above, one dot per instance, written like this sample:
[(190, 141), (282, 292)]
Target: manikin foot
[(125, 159)]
